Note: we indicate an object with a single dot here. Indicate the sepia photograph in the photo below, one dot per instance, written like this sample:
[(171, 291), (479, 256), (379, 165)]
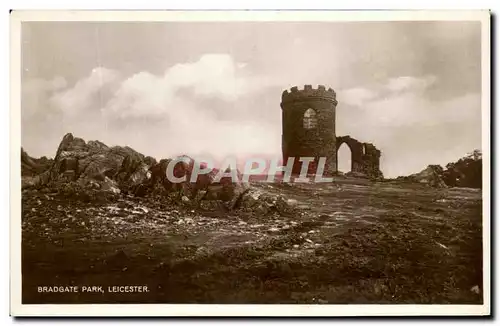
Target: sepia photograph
[(333, 163)]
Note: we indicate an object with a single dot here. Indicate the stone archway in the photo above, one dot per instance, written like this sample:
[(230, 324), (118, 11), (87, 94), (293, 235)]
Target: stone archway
[(344, 158), (357, 163)]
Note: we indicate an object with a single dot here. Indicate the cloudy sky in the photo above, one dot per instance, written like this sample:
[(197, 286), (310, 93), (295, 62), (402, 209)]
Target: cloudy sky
[(411, 88)]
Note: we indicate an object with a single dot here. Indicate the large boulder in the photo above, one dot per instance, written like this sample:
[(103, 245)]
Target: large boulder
[(431, 176), (205, 187), (261, 202), (149, 161), (133, 170)]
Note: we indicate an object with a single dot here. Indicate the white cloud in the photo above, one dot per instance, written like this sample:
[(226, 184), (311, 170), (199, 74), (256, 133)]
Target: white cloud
[(80, 96), (143, 94), (393, 87), (403, 101), (355, 96), (104, 106), (36, 94), (212, 76), (194, 128), (409, 83), (410, 127), (38, 85)]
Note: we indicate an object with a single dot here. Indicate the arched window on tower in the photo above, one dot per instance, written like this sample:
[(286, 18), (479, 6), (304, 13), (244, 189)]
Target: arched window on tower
[(310, 120)]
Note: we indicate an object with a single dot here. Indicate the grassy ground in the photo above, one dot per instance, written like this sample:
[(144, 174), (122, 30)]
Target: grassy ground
[(344, 243)]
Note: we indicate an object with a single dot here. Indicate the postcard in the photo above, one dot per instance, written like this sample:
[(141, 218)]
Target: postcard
[(250, 163)]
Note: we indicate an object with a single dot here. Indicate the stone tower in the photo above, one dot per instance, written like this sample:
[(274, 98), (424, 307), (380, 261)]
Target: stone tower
[(308, 118)]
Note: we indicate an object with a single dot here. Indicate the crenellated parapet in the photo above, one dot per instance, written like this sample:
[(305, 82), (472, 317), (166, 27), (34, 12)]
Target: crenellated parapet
[(296, 94)]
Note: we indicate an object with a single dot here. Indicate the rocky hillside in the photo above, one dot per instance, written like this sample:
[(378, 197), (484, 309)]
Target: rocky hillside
[(31, 166), (94, 170), (466, 173)]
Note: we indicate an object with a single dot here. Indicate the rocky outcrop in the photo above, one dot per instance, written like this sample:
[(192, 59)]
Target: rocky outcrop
[(31, 166), (431, 176), (80, 165), (205, 187), (134, 170), (465, 172), (95, 164)]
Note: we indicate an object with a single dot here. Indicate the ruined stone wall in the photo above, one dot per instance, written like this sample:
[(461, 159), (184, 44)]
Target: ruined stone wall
[(371, 159), (365, 156), (319, 141)]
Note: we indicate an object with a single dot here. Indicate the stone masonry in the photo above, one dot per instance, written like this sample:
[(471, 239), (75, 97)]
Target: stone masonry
[(308, 126)]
